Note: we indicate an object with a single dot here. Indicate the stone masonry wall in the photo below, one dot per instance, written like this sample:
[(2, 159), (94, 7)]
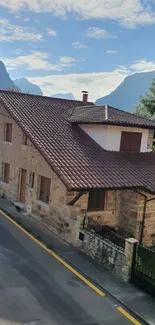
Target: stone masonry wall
[(149, 225), (104, 252), (56, 215), (131, 205), (128, 211), (123, 210), (109, 216), (150, 139)]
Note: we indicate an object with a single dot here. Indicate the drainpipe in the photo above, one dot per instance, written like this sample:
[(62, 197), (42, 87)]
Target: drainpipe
[(144, 213)]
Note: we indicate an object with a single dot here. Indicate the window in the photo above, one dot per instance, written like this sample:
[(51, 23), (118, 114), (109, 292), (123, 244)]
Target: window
[(31, 180), (96, 200), (44, 189), (130, 141), (24, 139), (8, 132), (6, 172)]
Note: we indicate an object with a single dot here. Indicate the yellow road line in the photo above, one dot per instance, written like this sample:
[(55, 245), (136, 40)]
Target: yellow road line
[(127, 315), (58, 258)]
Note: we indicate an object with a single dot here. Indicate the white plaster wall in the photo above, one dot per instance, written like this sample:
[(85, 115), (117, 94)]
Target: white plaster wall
[(97, 132), (109, 136)]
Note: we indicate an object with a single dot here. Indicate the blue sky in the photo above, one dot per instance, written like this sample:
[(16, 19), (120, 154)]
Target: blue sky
[(66, 46)]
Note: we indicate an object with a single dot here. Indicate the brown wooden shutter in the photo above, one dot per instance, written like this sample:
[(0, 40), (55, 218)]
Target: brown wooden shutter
[(8, 132), (23, 185), (45, 189), (6, 172), (24, 138), (130, 141)]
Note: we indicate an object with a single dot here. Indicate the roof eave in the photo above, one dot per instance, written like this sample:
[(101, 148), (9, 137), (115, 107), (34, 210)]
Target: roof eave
[(116, 188), (115, 124)]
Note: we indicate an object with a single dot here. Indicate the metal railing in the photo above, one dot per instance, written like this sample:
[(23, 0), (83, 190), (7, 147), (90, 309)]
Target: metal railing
[(145, 261), (105, 232)]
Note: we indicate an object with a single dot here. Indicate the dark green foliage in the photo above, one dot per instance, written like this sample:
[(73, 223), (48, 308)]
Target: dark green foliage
[(146, 106)]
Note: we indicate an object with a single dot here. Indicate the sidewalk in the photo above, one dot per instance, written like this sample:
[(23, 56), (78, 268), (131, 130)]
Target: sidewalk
[(135, 300)]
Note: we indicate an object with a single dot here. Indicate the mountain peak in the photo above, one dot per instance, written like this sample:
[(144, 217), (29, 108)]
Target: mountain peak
[(5, 80), (2, 66), (28, 87), (127, 94)]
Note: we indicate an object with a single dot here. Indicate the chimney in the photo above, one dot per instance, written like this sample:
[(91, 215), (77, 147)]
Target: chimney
[(85, 97)]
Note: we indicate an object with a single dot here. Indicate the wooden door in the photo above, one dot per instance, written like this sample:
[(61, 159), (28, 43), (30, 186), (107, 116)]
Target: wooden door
[(22, 185)]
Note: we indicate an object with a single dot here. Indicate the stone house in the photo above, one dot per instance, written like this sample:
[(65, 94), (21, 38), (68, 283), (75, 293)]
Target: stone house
[(61, 160)]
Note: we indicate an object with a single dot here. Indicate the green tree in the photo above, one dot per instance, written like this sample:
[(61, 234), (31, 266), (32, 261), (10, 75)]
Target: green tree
[(146, 105)]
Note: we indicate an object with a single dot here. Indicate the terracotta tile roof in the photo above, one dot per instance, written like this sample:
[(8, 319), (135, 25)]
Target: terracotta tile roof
[(76, 158), (108, 115)]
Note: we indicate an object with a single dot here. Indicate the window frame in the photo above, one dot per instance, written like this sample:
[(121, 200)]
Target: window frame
[(7, 132), (98, 204), (47, 188)]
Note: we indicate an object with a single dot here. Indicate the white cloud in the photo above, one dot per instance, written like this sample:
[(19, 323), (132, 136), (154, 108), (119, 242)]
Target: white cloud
[(129, 12), (143, 66), (17, 17), (98, 84), (26, 19), (67, 59), (78, 45), (18, 51), (10, 32), (111, 51), (123, 67), (51, 32), (98, 33), (38, 61)]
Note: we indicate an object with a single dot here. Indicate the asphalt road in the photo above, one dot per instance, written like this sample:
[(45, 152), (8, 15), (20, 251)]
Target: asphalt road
[(36, 289)]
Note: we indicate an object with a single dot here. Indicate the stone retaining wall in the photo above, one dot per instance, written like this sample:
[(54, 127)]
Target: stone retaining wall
[(103, 251)]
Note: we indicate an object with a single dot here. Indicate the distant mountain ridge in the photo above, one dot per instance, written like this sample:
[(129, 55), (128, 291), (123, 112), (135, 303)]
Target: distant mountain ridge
[(64, 96), (28, 87), (126, 95), (5, 80)]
